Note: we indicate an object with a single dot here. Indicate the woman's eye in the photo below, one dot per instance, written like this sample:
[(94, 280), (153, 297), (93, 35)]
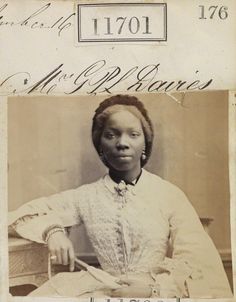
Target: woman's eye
[(135, 134), (109, 135)]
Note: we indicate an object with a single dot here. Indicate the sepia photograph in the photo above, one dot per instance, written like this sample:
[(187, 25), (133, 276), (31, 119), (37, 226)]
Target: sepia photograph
[(124, 195)]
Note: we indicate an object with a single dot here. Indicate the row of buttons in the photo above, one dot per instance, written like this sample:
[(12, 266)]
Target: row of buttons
[(120, 239)]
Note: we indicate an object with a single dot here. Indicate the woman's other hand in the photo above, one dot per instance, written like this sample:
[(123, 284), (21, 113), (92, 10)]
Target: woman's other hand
[(132, 288), (60, 245)]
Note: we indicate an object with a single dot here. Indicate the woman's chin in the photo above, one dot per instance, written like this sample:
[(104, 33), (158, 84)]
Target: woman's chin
[(122, 167)]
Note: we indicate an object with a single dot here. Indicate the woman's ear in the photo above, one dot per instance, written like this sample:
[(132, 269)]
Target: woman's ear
[(100, 149), (100, 153), (102, 156)]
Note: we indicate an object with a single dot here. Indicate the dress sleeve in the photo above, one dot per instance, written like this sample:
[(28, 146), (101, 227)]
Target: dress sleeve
[(195, 265), (32, 219)]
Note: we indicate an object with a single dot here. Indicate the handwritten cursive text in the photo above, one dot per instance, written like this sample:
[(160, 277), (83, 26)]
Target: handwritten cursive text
[(99, 78)]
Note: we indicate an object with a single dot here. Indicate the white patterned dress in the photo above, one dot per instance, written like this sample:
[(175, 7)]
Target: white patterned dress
[(131, 228)]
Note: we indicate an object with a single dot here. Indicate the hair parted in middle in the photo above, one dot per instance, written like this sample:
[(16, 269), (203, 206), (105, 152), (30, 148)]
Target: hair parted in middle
[(117, 103)]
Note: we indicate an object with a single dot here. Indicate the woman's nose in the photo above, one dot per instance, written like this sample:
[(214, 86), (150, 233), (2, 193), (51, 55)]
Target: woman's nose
[(122, 142)]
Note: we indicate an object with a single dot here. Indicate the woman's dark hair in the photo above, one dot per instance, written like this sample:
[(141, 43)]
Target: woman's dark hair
[(125, 102)]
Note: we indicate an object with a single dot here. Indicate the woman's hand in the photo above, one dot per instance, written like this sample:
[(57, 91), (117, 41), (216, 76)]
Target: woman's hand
[(60, 245), (132, 288)]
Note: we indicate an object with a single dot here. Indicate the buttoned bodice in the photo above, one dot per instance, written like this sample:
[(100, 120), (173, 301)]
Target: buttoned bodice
[(127, 228)]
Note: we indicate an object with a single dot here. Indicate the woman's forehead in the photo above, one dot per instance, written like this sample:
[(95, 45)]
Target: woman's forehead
[(123, 119)]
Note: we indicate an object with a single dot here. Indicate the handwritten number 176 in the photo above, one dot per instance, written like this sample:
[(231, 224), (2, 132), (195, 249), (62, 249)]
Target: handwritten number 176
[(213, 11)]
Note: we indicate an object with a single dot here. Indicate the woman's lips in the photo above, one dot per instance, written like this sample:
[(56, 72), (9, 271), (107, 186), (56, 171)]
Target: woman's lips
[(123, 157)]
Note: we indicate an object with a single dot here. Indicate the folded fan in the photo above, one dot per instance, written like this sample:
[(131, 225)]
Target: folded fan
[(99, 275)]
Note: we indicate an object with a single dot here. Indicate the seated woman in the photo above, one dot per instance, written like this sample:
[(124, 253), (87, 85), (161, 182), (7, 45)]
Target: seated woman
[(131, 217)]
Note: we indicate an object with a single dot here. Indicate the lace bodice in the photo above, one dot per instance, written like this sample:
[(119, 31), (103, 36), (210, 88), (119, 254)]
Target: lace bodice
[(128, 229)]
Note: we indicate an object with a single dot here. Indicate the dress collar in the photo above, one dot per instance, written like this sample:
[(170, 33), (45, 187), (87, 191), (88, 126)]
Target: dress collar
[(118, 180), (112, 186)]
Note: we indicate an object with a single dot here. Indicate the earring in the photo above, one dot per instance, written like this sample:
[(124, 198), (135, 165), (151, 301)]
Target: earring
[(143, 156)]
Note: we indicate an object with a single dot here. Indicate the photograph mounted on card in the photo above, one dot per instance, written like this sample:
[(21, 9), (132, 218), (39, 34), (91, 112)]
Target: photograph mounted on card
[(117, 154)]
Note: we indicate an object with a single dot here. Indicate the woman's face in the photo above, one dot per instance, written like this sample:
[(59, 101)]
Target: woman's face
[(123, 141)]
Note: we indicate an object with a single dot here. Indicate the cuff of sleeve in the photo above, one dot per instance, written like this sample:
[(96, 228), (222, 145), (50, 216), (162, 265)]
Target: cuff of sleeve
[(33, 228), (51, 230), (166, 286)]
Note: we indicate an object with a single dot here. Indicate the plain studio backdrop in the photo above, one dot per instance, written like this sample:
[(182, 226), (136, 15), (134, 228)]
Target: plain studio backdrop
[(50, 150)]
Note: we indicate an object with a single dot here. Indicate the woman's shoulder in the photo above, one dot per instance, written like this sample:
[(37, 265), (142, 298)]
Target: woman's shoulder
[(160, 182), (164, 188)]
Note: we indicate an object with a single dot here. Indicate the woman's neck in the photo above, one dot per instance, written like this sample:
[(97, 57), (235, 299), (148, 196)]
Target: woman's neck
[(127, 176)]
